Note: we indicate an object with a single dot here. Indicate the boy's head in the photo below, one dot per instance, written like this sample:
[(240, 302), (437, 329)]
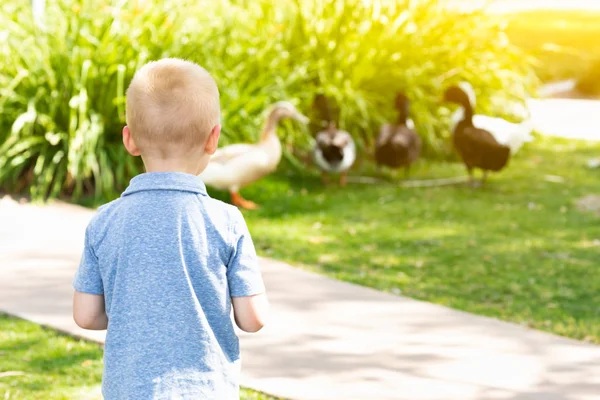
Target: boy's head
[(173, 115)]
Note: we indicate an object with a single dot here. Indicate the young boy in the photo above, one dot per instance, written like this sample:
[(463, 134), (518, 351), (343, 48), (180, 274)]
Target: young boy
[(164, 264)]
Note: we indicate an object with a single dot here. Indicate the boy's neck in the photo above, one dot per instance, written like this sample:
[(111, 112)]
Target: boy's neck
[(193, 166)]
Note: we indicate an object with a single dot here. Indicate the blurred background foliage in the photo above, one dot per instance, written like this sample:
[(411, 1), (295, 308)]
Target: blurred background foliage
[(62, 82), (563, 42)]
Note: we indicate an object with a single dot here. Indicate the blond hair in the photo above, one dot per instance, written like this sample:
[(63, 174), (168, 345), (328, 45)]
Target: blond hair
[(172, 106)]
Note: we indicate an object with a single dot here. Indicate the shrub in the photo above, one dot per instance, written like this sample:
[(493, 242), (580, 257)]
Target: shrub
[(62, 90), (61, 105), (360, 53)]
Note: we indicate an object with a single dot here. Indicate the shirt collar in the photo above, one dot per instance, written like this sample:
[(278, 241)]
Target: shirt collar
[(179, 181)]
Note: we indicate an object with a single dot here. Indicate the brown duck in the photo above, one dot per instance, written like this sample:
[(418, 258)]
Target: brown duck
[(477, 147), (398, 145)]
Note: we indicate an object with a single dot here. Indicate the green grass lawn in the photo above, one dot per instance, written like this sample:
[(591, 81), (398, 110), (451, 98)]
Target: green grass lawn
[(565, 42), (38, 363), (517, 249)]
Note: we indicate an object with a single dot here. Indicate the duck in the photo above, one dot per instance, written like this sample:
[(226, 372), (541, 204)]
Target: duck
[(477, 147), (507, 133), (398, 145), (334, 151), (235, 166)]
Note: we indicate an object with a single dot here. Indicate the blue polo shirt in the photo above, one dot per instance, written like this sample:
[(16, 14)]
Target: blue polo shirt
[(168, 259)]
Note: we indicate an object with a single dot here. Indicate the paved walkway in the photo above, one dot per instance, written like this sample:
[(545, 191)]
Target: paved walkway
[(568, 118), (327, 339)]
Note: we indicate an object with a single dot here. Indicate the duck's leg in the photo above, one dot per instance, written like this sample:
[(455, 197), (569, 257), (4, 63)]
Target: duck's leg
[(343, 179), (471, 181), (324, 178), (239, 201), (484, 178), (407, 171), (476, 184)]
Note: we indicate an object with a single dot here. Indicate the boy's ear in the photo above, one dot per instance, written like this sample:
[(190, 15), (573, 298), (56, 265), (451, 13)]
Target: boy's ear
[(129, 143), (213, 140)]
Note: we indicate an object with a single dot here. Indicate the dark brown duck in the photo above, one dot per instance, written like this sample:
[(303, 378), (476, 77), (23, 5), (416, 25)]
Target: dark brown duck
[(477, 147)]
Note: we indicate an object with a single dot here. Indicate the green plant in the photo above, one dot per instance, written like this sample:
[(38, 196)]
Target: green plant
[(359, 53), (62, 99), (61, 107)]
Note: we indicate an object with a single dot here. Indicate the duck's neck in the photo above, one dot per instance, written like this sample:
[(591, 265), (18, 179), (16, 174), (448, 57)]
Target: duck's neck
[(402, 115), (468, 113), (270, 144), (269, 141), (270, 128)]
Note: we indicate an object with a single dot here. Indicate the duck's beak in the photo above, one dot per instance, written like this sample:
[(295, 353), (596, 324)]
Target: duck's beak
[(301, 118)]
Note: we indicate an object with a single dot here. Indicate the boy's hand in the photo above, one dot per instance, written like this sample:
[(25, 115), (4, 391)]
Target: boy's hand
[(88, 311), (250, 312)]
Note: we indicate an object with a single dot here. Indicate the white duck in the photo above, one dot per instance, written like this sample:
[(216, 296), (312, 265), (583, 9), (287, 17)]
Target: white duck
[(507, 133), (238, 165)]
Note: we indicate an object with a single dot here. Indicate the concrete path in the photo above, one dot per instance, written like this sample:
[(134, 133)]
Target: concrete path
[(327, 339), (567, 118)]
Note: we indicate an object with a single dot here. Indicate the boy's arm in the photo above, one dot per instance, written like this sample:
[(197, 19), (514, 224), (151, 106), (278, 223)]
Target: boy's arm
[(250, 312), (88, 300), (246, 287), (88, 311)]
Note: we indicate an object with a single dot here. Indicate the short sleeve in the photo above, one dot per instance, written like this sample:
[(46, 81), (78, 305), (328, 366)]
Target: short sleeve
[(243, 272), (87, 278)]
